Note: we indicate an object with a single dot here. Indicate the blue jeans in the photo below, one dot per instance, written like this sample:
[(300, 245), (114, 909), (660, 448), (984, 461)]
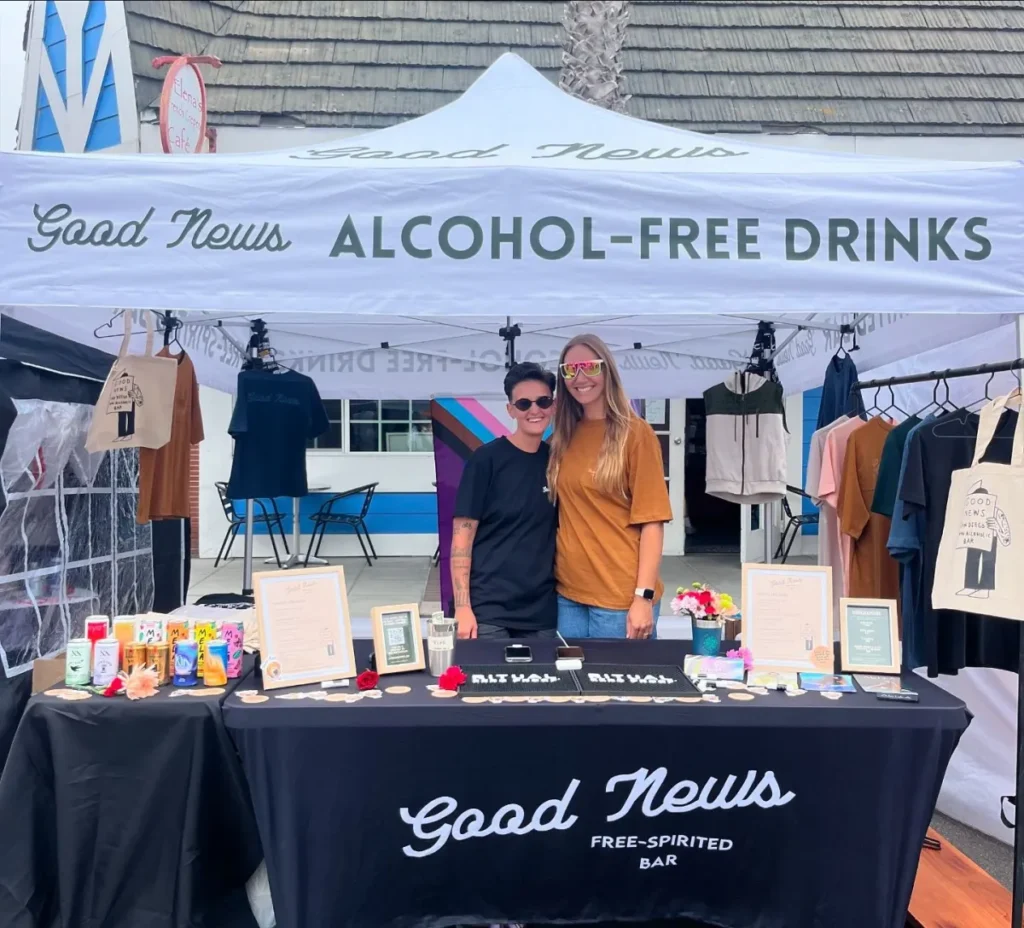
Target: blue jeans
[(575, 620)]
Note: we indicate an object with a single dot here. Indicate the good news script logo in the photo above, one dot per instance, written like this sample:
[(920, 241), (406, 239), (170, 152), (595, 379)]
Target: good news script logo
[(434, 825)]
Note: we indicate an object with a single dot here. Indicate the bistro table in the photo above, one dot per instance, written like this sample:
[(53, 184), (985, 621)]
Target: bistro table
[(413, 810), (296, 556), (121, 814)]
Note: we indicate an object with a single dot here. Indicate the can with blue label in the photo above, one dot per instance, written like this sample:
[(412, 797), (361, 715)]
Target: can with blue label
[(186, 663)]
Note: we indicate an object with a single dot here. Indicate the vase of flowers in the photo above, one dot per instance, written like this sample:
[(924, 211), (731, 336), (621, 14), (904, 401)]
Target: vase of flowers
[(707, 609)]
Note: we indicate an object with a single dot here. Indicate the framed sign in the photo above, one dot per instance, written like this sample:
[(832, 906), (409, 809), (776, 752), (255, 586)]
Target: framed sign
[(787, 617), (183, 109), (869, 632), (397, 638), (305, 629)]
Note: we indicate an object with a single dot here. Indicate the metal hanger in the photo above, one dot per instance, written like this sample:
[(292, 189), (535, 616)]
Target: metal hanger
[(874, 407), (893, 404)]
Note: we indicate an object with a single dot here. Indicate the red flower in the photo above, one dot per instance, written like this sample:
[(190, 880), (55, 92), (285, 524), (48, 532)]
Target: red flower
[(452, 678), (367, 680), (704, 598), (115, 687)]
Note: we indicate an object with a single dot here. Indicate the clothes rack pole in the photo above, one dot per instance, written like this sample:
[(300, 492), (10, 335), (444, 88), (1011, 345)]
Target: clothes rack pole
[(1018, 830), (247, 557)]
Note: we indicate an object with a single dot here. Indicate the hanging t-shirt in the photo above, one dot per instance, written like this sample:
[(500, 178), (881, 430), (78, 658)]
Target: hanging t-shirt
[(873, 573), (828, 491), (165, 473), (905, 540), (275, 416), (829, 554), (512, 578), (891, 466), (953, 639), (840, 376), (598, 549)]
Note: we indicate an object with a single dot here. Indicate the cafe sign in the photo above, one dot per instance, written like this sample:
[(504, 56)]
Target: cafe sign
[(183, 104)]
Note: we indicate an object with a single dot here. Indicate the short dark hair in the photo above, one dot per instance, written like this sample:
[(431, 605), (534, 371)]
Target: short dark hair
[(527, 370)]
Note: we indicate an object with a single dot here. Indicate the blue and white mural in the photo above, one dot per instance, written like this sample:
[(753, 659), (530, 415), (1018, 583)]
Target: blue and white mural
[(79, 88)]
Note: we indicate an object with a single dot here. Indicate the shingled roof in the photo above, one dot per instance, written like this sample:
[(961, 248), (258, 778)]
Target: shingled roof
[(905, 67)]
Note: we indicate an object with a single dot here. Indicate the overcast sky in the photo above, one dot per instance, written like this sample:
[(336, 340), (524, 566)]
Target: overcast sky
[(12, 67)]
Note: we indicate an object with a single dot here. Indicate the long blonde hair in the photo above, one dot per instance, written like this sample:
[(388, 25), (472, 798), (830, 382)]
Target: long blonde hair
[(611, 463)]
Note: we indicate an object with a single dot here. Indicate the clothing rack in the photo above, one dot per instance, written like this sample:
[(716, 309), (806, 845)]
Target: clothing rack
[(1018, 830)]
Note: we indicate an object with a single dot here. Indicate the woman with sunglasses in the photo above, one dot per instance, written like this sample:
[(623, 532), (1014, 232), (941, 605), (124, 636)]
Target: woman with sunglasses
[(503, 543), (606, 476)]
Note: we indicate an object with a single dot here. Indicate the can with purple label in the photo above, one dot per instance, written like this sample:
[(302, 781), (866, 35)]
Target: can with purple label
[(186, 663), (234, 634)]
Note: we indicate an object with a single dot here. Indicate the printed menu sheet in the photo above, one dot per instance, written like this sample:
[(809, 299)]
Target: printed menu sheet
[(787, 616), (305, 632)]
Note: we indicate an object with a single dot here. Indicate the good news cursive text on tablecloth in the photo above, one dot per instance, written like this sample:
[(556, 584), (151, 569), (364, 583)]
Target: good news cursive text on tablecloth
[(437, 822)]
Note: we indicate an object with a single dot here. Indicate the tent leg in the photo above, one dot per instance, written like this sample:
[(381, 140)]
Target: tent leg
[(1018, 830), (247, 558)]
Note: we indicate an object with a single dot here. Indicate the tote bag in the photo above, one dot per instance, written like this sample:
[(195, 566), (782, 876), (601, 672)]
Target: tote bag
[(136, 405), (978, 568)]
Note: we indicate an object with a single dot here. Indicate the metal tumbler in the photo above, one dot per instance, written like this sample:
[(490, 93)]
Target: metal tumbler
[(440, 643)]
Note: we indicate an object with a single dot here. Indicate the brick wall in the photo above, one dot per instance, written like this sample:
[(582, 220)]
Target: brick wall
[(193, 498)]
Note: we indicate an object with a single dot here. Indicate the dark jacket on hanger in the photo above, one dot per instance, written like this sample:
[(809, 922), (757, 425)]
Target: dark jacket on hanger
[(840, 375)]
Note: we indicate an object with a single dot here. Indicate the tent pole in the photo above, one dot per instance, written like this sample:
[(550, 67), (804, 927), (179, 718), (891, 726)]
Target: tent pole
[(1018, 819), (247, 558)]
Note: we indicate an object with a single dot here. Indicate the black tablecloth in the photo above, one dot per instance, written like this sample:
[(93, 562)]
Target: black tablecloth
[(781, 812), (119, 814), (14, 694)]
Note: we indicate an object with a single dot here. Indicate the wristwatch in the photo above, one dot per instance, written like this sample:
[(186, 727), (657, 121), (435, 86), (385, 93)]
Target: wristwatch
[(644, 594)]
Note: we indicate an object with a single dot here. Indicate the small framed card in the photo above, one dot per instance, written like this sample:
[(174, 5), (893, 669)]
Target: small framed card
[(397, 638), (305, 629), (870, 635)]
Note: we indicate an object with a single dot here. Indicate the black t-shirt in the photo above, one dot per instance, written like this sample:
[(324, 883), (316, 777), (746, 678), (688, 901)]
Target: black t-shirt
[(954, 639), (512, 580), (275, 415)]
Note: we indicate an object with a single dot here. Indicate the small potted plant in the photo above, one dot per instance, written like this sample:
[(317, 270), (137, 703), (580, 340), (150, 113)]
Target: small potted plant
[(707, 609)]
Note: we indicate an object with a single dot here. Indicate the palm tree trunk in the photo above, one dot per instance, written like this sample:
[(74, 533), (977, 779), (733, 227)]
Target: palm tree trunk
[(592, 52)]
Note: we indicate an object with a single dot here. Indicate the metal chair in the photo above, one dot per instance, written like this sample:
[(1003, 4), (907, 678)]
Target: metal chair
[(793, 524), (326, 515), (236, 523)]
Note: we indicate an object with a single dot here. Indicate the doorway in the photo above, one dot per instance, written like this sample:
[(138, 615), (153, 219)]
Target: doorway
[(666, 419), (712, 524)]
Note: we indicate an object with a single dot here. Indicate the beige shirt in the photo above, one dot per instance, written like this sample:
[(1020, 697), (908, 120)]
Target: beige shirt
[(829, 554), (829, 485)]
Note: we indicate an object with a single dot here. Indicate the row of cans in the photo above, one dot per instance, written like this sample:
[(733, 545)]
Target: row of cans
[(154, 629), (99, 662)]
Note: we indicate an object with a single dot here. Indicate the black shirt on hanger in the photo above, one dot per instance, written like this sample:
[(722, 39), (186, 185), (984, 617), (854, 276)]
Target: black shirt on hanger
[(275, 415), (840, 375), (954, 639)]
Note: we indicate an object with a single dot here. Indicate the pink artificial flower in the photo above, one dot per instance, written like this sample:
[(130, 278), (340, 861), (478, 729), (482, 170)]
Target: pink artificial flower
[(746, 654), (141, 683)]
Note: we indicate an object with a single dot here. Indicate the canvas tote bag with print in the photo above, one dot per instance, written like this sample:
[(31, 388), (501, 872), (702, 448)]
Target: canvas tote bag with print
[(978, 568), (136, 405)]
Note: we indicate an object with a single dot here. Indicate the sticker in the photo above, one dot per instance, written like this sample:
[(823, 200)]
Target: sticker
[(319, 696), (710, 697), (621, 698), (353, 697), (444, 694), (823, 658), (495, 700), (254, 698), (337, 697), (742, 697), (398, 690), (758, 690), (662, 699), (373, 694), (272, 669), (432, 687), (474, 700), (795, 692), (206, 691), (832, 695), (533, 700), (597, 699), (241, 693), (689, 699), (291, 696), (579, 700), (640, 698)]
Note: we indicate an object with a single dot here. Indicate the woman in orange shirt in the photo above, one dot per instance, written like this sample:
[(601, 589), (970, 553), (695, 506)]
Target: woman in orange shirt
[(606, 476)]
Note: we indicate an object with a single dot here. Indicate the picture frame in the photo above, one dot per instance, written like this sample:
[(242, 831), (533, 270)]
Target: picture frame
[(397, 634), (869, 635), (787, 617), (305, 626)]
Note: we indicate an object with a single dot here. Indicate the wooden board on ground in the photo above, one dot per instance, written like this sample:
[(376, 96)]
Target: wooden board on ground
[(952, 891)]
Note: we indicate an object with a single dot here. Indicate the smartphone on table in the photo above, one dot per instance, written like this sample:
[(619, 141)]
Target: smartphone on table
[(518, 654), (569, 653)]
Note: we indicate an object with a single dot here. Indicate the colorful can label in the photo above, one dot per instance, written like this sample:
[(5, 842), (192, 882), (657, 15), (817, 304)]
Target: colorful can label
[(178, 630), (186, 661), (97, 627), (150, 629), (234, 634), (158, 657), (215, 670), (78, 662), (105, 660), (134, 656), (201, 633)]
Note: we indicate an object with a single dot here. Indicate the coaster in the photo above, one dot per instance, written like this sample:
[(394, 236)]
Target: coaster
[(495, 700), (533, 700), (664, 699), (335, 697), (556, 699), (597, 699), (444, 694), (578, 700), (474, 700), (832, 696), (69, 695), (319, 695), (205, 691), (742, 697), (515, 698), (398, 690), (689, 699), (640, 698), (254, 698)]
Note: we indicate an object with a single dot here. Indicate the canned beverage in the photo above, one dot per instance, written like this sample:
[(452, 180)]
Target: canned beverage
[(234, 634), (105, 658), (124, 630), (215, 668), (78, 662), (97, 627), (177, 630), (150, 629), (158, 656), (186, 661), (203, 632), (134, 656)]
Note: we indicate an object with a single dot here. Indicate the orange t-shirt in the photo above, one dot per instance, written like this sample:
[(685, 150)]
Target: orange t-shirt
[(598, 547), (164, 472)]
